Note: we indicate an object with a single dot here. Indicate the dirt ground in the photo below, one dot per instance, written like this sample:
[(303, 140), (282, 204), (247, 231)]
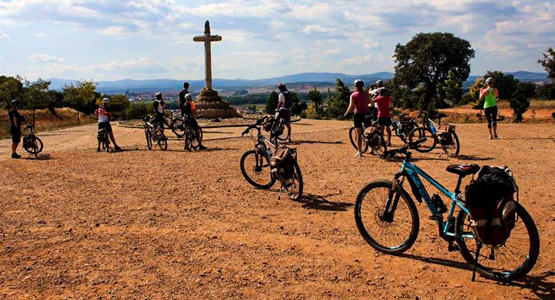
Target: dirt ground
[(142, 224)]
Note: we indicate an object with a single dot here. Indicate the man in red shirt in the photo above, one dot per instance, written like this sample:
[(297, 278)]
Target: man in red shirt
[(384, 102)]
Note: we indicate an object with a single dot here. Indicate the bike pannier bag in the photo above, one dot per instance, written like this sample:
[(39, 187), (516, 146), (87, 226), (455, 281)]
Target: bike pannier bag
[(489, 199), (283, 163), (372, 136), (269, 123), (442, 129)]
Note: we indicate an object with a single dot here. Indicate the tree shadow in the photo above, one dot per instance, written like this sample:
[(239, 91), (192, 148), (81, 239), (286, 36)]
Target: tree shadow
[(473, 157), (321, 203), (299, 142)]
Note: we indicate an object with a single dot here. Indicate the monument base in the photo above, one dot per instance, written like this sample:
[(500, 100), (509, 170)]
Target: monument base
[(211, 106)]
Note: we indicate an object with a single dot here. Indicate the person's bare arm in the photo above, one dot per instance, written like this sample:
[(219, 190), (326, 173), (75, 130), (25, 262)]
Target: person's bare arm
[(496, 92), (351, 105)]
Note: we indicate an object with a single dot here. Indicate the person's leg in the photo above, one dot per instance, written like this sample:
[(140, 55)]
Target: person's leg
[(494, 122), (288, 125), (14, 148), (388, 135), (489, 119), (113, 140)]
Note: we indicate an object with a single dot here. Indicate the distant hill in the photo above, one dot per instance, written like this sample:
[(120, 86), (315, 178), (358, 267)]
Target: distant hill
[(150, 85)]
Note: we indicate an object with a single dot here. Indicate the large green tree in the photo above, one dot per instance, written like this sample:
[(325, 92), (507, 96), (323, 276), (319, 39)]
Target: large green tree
[(520, 99), (81, 95), (505, 84), (272, 102), (36, 95), (453, 88), (10, 88), (339, 101), (428, 58), (548, 62)]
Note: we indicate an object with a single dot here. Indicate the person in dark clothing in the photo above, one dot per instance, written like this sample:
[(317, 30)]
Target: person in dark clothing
[(15, 127), (189, 115), (159, 106), (182, 95)]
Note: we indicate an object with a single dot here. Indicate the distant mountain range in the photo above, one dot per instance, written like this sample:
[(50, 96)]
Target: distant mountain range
[(149, 85)]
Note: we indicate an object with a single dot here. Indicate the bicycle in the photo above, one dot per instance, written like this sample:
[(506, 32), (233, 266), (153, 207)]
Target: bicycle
[(387, 219), (104, 139), (177, 125), (154, 134), (31, 143), (191, 140), (257, 161), (444, 135), (403, 126), (370, 138)]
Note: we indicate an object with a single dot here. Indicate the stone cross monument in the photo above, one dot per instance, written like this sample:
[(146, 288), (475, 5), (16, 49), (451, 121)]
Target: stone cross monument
[(209, 103)]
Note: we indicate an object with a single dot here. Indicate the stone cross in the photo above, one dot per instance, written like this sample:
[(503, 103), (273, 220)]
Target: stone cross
[(207, 39)]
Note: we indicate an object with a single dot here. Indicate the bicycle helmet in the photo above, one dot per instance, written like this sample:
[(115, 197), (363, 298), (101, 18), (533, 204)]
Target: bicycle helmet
[(490, 79), (185, 85), (15, 102), (105, 101), (359, 83), (159, 96), (281, 86), (379, 83), (188, 96)]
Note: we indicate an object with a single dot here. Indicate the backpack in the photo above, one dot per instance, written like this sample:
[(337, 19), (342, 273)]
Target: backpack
[(283, 163), (372, 136), (491, 204), (288, 101)]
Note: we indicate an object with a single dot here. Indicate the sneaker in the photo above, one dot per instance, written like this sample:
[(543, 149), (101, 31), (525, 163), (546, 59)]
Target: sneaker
[(358, 154), (201, 147), (98, 150), (495, 137), (15, 155), (117, 148), (491, 137)]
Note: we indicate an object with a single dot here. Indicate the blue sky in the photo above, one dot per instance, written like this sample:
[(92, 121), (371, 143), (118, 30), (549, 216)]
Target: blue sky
[(139, 39)]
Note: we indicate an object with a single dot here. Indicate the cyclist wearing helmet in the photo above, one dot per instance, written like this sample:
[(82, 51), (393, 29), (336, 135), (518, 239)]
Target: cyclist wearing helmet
[(490, 95), (182, 97), (15, 127), (284, 108), (360, 102), (384, 101), (189, 114), (104, 116), (159, 106)]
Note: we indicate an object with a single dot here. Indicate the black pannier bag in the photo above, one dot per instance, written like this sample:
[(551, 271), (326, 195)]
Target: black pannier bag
[(444, 133), (269, 123), (283, 163), (490, 201), (372, 136)]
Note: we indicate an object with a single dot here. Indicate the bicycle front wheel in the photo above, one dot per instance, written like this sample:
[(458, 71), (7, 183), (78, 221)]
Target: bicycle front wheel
[(294, 186), (392, 236), (35, 146), (148, 135), (255, 167), (419, 133), (195, 143), (451, 144), (162, 141), (512, 260), (178, 128)]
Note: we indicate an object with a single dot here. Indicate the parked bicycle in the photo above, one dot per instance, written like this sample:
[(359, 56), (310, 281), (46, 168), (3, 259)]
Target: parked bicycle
[(435, 133), (403, 126), (191, 140), (372, 137), (388, 220), (31, 143), (177, 124), (261, 168), (104, 139), (154, 134)]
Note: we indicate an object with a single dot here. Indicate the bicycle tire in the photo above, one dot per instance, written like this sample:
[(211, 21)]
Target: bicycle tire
[(352, 137), (106, 145), (371, 239), (265, 185), (503, 275), (299, 181), (420, 132), (148, 136), (37, 148), (456, 144), (162, 142), (381, 148), (178, 128), (195, 143)]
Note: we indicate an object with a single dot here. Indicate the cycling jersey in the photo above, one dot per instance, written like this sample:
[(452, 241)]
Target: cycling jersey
[(361, 100), (103, 115), (490, 99)]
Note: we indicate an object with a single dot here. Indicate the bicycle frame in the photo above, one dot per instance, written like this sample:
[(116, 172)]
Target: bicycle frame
[(413, 173)]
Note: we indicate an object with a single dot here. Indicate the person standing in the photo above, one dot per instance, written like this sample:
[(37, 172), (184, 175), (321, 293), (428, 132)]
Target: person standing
[(182, 97), (104, 116), (189, 114), (490, 95), (159, 105), (15, 127), (359, 101), (384, 101), (375, 92), (284, 108)]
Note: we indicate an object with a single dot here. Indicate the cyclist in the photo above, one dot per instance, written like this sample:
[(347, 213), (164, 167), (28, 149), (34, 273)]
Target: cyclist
[(284, 108), (104, 116), (360, 102), (182, 95), (384, 101), (374, 92), (189, 113), (159, 106), (490, 95), (15, 127)]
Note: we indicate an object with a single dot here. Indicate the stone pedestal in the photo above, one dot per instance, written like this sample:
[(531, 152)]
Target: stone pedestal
[(211, 106)]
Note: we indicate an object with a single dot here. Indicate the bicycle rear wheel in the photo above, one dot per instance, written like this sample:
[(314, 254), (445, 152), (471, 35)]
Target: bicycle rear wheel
[(394, 236), (34, 146), (178, 128), (294, 186), (255, 167), (453, 146), (162, 141), (195, 143), (419, 133), (353, 137), (512, 260)]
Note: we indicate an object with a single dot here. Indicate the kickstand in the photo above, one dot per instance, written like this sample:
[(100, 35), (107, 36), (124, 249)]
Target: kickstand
[(478, 248), (280, 190)]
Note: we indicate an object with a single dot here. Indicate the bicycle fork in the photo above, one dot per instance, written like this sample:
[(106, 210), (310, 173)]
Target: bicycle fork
[(393, 199)]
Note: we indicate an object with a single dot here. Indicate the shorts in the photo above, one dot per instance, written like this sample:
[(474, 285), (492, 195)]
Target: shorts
[(384, 121), (105, 125), (286, 115), (362, 118), (16, 134)]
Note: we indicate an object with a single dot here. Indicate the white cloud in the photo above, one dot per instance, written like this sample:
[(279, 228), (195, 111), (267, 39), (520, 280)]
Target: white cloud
[(112, 31), (4, 38), (44, 58), (357, 60), (371, 45), (142, 65)]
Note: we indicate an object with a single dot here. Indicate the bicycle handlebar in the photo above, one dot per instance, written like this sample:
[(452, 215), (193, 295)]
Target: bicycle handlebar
[(255, 125)]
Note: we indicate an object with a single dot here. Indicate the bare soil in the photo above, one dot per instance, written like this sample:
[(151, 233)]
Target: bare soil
[(142, 224)]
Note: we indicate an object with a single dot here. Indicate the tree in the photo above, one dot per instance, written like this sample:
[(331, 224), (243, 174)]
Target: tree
[(339, 101), (36, 95), (428, 58), (520, 99), (475, 93), (297, 106), (505, 84), (546, 91), (316, 97), (118, 104), (81, 95), (272, 103), (10, 88), (548, 62), (453, 88)]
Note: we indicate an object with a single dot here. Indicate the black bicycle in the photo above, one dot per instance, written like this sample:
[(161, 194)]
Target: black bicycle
[(372, 137), (435, 133), (31, 143), (155, 134), (104, 139), (191, 140), (257, 170), (403, 126)]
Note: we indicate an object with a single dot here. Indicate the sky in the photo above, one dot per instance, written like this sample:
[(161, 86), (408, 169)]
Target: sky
[(153, 39)]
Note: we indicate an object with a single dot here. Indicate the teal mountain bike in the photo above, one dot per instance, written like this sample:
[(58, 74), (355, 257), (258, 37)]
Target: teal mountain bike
[(387, 219)]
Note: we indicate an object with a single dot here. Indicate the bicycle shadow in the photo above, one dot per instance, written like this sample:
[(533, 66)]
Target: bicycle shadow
[(311, 201), (299, 142), (538, 285), (473, 157), (438, 261), (41, 156)]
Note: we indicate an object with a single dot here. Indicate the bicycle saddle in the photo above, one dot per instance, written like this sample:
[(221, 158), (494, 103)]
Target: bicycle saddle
[(441, 115), (463, 170)]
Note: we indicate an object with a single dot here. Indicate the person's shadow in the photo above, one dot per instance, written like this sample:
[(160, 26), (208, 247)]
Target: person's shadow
[(321, 203)]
